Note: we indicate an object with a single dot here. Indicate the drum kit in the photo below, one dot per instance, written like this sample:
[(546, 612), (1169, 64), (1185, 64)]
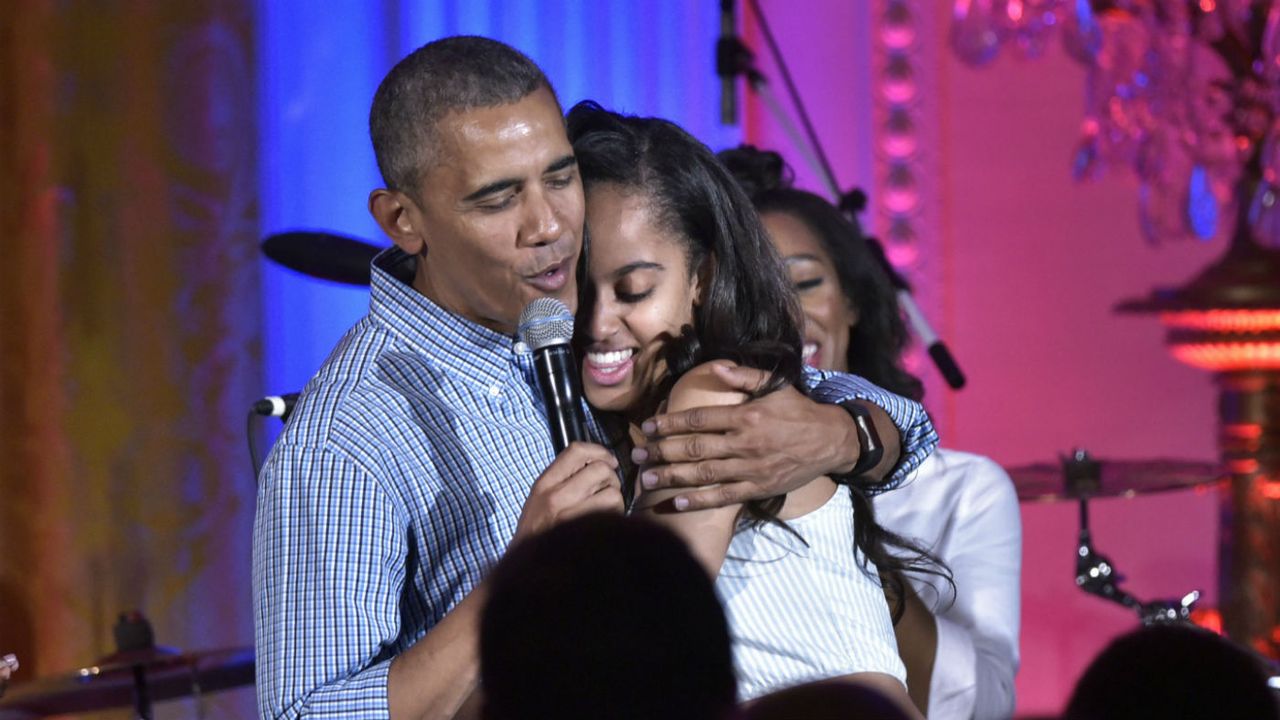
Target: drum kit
[(137, 675), (140, 674)]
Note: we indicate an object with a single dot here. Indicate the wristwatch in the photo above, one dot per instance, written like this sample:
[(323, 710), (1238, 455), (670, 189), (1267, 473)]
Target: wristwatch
[(870, 449)]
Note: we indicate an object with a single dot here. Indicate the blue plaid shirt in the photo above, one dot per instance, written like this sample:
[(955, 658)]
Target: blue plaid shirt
[(397, 484)]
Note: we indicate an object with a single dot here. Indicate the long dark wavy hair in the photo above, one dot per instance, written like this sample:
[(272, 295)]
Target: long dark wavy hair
[(748, 312), (877, 340), (754, 323)]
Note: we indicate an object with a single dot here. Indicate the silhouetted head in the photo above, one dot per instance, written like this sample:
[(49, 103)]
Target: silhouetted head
[(1172, 672), (604, 617), (825, 699)]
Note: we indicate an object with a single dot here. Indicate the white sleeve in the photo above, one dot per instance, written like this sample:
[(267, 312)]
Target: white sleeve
[(986, 561), (953, 685)]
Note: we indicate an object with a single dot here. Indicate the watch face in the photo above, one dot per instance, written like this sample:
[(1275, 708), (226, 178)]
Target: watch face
[(870, 451)]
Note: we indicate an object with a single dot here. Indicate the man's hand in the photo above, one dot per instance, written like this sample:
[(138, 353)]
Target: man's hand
[(762, 448), (582, 479)]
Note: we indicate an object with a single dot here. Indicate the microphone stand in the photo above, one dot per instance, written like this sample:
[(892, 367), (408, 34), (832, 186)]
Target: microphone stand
[(734, 58)]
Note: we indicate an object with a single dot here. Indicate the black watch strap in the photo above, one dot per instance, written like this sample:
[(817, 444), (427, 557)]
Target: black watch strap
[(870, 449)]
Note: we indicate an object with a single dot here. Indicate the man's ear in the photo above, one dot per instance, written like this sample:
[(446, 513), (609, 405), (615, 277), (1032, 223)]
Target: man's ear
[(396, 214)]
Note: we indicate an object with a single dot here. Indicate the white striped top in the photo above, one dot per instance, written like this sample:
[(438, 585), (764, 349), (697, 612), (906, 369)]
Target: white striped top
[(799, 614)]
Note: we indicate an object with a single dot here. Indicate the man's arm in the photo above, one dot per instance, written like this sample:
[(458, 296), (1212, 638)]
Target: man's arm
[(896, 418), (329, 549), (329, 565), (776, 443)]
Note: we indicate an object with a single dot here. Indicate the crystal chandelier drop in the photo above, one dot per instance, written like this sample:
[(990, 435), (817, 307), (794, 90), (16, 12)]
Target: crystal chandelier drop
[(1184, 92)]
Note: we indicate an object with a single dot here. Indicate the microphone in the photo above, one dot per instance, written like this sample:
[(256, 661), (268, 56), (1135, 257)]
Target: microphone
[(546, 326), (727, 65), (280, 406)]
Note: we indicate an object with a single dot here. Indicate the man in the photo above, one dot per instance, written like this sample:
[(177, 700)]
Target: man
[(406, 468)]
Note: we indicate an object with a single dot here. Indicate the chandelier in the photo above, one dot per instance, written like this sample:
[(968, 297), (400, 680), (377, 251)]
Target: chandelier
[(1186, 93)]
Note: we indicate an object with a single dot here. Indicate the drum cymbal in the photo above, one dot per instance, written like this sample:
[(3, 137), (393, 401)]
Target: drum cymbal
[(323, 255), (110, 683), (1114, 478)]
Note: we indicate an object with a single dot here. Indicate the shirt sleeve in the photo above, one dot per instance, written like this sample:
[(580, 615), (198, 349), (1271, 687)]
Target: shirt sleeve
[(977, 656), (918, 436), (328, 569), (953, 687)]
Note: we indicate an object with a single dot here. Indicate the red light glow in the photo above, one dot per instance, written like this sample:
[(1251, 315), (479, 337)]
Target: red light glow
[(1243, 466), (1208, 618), (1223, 356), (1242, 431), (1224, 321)]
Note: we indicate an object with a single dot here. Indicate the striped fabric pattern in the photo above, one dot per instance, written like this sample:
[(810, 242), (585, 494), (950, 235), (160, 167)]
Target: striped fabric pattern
[(396, 485), (802, 608)]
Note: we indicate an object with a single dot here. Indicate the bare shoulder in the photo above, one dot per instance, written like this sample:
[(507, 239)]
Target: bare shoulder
[(701, 387)]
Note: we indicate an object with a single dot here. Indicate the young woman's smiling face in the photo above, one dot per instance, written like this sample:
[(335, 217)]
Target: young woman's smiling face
[(644, 291), (829, 316)]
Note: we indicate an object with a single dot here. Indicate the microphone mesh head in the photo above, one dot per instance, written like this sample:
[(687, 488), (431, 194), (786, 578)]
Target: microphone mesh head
[(545, 321)]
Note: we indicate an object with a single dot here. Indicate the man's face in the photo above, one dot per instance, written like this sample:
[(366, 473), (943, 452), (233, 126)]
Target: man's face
[(501, 212)]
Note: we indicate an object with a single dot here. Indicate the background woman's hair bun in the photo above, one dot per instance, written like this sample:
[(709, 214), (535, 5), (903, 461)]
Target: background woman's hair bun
[(758, 171)]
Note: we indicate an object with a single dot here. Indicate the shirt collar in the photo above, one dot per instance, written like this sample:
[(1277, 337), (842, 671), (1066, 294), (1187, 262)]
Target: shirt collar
[(460, 344)]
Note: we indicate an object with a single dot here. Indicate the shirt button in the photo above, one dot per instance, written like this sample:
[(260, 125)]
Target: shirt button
[(495, 391), (520, 348)]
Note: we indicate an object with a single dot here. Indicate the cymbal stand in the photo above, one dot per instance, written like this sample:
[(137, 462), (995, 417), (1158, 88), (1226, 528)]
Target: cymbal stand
[(1095, 573), (133, 634)]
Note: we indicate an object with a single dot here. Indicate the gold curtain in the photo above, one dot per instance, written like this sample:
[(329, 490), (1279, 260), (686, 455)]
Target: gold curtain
[(129, 322)]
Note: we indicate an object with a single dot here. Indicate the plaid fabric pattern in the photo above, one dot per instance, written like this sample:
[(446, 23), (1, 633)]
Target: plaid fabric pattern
[(394, 487)]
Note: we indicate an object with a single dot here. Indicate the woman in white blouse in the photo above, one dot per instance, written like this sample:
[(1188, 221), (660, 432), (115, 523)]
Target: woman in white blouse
[(961, 648)]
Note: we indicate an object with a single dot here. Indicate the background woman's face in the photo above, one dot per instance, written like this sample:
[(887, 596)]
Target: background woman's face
[(644, 294), (828, 314)]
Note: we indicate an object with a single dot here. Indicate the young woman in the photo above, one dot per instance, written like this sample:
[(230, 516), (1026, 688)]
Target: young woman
[(682, 275), (961, 652)]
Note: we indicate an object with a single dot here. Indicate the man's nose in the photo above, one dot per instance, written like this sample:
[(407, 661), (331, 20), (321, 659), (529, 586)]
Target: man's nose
[(542, 224)]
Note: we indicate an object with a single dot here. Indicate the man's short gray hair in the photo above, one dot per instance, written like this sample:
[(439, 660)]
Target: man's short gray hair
[(453, 74)]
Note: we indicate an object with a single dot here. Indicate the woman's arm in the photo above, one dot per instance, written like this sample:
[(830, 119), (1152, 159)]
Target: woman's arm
[(707, 532), (917, 635)]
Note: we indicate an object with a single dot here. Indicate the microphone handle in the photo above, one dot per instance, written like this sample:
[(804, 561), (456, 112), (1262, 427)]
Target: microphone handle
[(557, 371), (947, 365)]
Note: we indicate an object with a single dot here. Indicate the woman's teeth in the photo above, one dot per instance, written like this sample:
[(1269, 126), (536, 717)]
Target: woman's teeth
[(609, 358), (808, 350)]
